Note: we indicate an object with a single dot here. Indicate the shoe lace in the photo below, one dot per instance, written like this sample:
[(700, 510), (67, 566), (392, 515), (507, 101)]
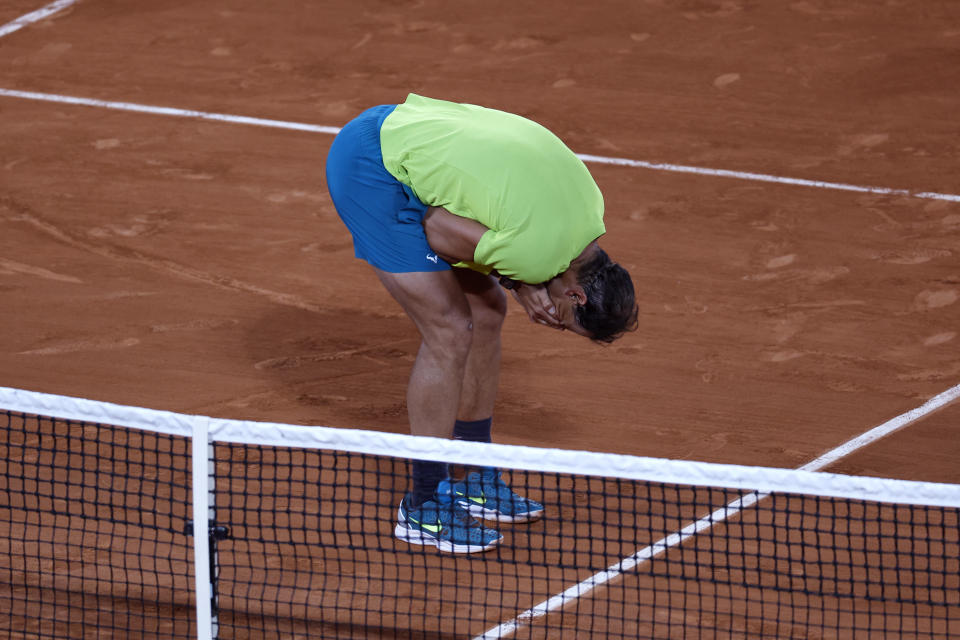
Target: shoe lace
[(452, 513), (491, 481)]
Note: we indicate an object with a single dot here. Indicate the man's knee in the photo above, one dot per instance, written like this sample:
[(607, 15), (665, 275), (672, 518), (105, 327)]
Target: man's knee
[(451, 334), (488, 316)]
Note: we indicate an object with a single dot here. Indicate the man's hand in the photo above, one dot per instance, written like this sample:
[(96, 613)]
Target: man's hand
[(538, 305)]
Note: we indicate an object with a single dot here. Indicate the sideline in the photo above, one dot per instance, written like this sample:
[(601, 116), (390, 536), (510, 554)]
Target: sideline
[(625, 162), (35, 16), (723, 513)]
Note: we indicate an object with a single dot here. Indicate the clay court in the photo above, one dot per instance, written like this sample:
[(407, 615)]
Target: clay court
[(788, 209)]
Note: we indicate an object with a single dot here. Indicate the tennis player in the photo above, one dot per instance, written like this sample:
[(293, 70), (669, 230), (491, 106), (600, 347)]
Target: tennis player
[(451, 204)]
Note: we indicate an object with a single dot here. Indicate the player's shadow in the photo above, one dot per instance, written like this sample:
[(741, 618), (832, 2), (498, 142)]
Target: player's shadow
[(332, 367)]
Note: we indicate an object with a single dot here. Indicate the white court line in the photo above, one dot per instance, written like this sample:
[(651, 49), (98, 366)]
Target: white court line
[(168, 111), (625, 162), (560, 600), (762, 177), (35, 16)]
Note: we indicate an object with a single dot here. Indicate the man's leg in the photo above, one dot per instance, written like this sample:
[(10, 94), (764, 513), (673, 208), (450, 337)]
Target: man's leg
[(481, 490), (439, 309), (488, 307)]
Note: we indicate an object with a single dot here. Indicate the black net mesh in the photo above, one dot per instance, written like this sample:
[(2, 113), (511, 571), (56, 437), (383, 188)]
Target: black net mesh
[(92, 540), (95, 542), (318, 526)]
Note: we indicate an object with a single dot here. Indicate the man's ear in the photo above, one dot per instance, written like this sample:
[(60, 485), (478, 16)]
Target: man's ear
[(577, 294)]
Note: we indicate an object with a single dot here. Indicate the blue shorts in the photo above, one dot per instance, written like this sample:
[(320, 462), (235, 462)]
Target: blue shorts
[(383, 215)]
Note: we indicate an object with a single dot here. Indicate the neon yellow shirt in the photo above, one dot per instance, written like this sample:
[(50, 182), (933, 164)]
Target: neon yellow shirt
[(538, 200)]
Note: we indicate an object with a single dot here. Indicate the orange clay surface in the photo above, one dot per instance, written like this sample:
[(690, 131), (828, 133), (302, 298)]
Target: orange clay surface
[(200, 267)]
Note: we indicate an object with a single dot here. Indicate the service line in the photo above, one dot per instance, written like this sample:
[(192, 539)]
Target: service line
[(168, 111), (725, 512), (35, 16), (625, 162)]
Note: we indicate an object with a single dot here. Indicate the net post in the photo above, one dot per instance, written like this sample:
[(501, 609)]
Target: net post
[(202, 506)]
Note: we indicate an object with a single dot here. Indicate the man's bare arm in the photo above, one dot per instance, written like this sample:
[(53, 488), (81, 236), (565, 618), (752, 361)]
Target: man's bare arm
[(453, 237)]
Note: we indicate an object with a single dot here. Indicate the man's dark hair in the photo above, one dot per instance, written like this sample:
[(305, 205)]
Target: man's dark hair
[(611, 308)]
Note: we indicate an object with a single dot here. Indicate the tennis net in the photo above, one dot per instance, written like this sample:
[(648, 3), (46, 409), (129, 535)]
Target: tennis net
[(125, 522)]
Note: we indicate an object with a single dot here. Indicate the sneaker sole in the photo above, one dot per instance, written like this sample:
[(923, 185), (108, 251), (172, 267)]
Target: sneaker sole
[(492, 514), (415, 536)]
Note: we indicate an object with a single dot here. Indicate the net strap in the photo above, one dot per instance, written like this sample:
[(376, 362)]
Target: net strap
[(202, 516)]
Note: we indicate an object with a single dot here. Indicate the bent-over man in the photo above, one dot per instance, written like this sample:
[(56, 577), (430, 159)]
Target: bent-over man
[(452, 204)]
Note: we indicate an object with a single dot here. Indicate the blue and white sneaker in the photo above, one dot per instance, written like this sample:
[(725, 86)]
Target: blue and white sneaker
[(444, 524), (485, 495)]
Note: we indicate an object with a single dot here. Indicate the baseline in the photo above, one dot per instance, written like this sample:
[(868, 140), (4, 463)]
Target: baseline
[(624, 162)]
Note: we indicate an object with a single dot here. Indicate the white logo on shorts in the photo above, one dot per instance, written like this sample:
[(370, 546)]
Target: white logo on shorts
[(432, 257)]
